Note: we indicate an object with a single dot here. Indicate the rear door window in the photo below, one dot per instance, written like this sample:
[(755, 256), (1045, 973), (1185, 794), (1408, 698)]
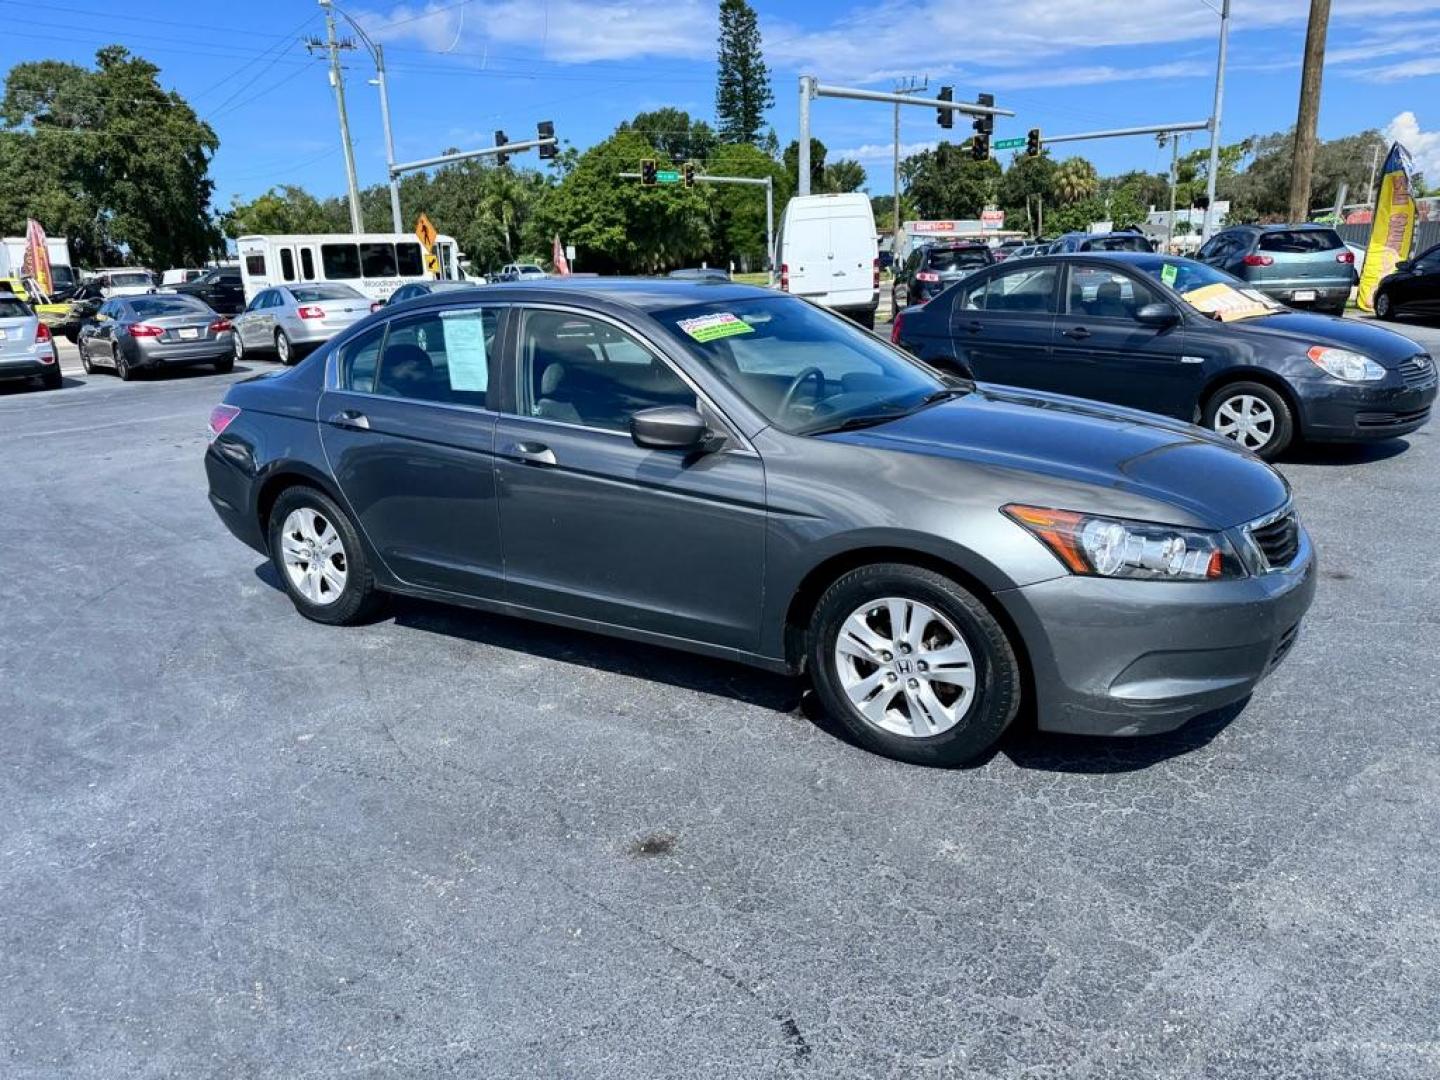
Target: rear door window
[(1300, 241), (359, 359), (1023, 290), (442, 356)]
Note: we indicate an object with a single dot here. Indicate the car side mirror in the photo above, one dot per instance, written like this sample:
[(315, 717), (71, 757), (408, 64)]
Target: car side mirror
[(1158, 315), (1404, 264), (670, 427)]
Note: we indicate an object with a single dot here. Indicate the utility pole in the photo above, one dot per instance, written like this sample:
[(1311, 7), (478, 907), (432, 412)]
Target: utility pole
[(337, 80), (1208, 225), (909, 87), (377, 54), (1174, 138), (1374, 168), (1303, 163)]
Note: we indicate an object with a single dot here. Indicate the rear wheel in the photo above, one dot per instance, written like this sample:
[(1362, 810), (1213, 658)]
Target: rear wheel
[(122, 367), (1251, 415), (225, 365), (284, 350), (52, 379), (913, 665), (85, 358), (317, 553), (237, 347)]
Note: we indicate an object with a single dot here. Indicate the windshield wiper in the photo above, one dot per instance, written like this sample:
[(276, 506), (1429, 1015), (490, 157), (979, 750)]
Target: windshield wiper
[(863, 420)]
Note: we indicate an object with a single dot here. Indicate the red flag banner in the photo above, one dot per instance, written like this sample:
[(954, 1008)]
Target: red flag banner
[(37, 258)]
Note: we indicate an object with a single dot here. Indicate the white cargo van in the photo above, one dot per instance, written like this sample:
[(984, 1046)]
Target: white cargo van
[(828, 253)]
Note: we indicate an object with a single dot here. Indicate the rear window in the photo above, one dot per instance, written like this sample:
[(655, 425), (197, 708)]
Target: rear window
[(1117, 243), (958, 258), (11, 308), (1300, 241), (308, 294), (159, 306), (126, 280)]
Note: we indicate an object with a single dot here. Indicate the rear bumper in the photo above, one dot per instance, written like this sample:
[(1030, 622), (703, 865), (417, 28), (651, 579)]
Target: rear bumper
[(1141, 657), (28, 367), (1338, 412), (231, 492), (180, 354), (1329, 295)]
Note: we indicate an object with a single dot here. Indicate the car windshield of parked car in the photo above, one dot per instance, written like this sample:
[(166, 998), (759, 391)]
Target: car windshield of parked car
[(157, 307), (958, 258), (1300, 241), (309, 294), (130, 280), (806, 371), (1208, 290)]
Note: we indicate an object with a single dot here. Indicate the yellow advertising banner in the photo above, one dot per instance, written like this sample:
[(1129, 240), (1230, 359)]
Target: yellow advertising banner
[(1393, 228)]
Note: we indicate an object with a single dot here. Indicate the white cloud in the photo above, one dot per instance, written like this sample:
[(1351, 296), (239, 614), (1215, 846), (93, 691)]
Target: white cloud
[(877, 153), (1409, 69), (1424, 146), (569, 31), (1104, 73)]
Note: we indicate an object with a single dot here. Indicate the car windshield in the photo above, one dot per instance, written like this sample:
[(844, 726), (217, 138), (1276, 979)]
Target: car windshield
[(308, 294), (1187, 277), (126, 280), (958, 258), (1117, 243), (160, 306), (805, 370), (529, 268)]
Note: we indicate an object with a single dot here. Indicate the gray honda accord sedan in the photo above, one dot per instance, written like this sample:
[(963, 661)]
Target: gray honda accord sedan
[(739, 473)]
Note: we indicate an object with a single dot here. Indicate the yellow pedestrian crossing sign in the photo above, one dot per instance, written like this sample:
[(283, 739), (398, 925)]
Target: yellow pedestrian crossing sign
[(425, 232)]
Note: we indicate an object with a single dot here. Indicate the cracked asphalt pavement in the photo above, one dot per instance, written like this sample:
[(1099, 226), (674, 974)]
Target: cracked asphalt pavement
[(234, 843)]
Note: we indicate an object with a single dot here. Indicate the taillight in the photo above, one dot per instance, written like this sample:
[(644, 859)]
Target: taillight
[(1346, 257), (310, 311), (220, 418), (1258, 260), (141, 329), (220, 326), (895, 322), (875, 274), (927, 275), (42, 333), (784, 277), (376, 305)]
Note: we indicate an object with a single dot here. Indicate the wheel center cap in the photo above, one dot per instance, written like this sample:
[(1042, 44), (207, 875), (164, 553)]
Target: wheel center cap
[(904, 666)]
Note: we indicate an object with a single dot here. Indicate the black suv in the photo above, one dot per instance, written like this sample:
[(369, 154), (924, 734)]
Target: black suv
[(1111, 241), (220, 288), (933, 268)]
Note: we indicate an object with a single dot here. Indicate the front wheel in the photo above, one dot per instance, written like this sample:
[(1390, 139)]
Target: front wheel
[(1384, 306), (317, 553), (913, 665), (1251, 415)]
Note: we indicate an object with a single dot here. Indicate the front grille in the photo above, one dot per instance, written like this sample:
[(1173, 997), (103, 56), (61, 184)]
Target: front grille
[(1283, 647), (1418, 371), (1391, 419), (1278, 540)]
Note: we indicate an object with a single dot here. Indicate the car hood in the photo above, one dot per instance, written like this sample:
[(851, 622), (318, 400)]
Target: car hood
[(1305, 329), (1090, 457)]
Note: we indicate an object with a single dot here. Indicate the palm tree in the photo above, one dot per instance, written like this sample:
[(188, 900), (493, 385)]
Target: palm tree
[(1075, 180)]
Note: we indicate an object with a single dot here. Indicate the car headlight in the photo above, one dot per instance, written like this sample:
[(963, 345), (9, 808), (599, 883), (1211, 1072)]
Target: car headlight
[(1344, 364), (1112, 547)]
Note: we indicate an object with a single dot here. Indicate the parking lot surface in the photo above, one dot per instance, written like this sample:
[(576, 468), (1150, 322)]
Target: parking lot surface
[(235, 843)]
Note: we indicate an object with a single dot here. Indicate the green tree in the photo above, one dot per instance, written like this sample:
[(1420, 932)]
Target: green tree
[(742, 88), (1026, 189), (844, 176), (674, 135), (948, 183), (737, 212), (107, 158), (284, 209), (791, 159), (1075, 180)]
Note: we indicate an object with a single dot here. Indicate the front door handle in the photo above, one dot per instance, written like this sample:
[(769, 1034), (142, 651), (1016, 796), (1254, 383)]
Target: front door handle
[(351, 418), (1077, 333), (533, 452), (974, 326)]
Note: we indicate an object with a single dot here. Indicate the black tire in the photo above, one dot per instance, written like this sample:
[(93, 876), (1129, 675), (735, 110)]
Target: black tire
[(237, 347), (85, 359), (284, 348), (359, 599), (997, 689), (53, 379), (72, 336), (1282, 432), (1384, 309), (867, 320), (225, 365), (122, 366)]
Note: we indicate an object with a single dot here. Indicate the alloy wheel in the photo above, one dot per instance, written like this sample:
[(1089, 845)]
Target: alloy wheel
[(1247, 420), (905, 667), (282, 347), (1382, 306), (314, 555)]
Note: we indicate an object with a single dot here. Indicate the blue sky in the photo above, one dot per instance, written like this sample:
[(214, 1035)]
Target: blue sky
[(459, 70)]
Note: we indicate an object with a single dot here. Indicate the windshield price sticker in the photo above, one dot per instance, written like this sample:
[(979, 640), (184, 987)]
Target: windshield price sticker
[(710, 327), (1228, 304)]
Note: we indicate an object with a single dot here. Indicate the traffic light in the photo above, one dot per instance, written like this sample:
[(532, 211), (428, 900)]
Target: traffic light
[(546, 130), (985, 122), (647, 172), (944, 117), (980, 146), (1032, 143), (500, 140), (688, 171)]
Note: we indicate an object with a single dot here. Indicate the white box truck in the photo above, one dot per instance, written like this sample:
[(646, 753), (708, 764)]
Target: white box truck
[(828, 253), (12, 258)]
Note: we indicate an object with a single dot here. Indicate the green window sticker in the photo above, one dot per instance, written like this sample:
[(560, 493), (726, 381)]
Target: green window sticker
[(1169, 272), (709, 327)]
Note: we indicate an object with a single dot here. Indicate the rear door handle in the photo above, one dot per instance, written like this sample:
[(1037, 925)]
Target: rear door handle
[(351, 418), (1078, 333), (974, 326), (533, 452)]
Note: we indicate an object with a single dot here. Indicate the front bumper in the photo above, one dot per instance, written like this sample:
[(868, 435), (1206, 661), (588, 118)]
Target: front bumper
[(1117, 657), (1332, 411)]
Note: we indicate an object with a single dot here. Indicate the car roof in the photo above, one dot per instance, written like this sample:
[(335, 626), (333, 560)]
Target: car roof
[(951, 245), (642, 294)]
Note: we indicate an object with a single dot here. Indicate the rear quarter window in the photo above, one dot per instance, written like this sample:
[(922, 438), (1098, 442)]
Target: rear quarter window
[(11, 308), (1300, 241)]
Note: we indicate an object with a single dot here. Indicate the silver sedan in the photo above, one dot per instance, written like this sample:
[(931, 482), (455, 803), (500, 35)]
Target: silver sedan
[(290, 320)]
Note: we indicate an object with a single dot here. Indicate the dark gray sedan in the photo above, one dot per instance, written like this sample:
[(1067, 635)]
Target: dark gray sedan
[(726, 470), (146, 333)]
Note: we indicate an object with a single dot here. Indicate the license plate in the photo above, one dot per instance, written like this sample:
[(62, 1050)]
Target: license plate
[(189, 333), (1304, 294)]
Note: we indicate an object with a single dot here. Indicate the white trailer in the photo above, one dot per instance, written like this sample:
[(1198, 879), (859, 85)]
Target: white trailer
[(12, 258), (374, 263)]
